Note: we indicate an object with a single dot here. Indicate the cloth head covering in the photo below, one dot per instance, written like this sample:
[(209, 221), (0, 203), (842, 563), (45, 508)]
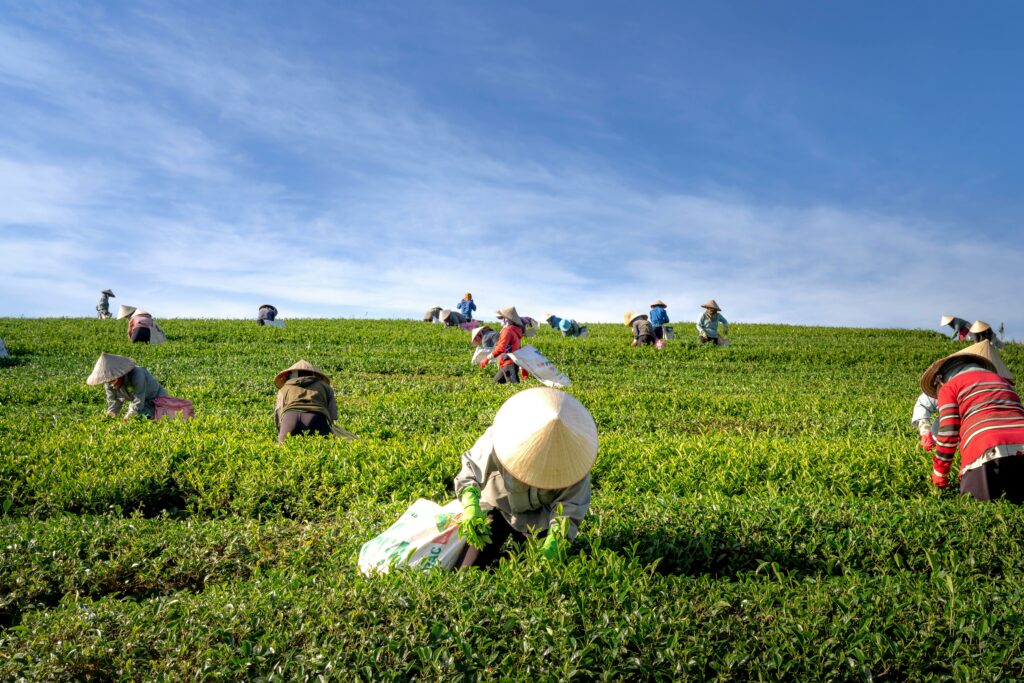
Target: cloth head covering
[(511, 314), (109, 367), (980, 326), (468, 296), (108, 293), (945, 320), (564, 324), (983, 352), (545, 438), (475, 333), (282, 376), (659, 302), (125, 311), (711, 304)]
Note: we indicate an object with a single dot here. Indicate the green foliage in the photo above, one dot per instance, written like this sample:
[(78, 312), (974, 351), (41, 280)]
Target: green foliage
[(760, 512)]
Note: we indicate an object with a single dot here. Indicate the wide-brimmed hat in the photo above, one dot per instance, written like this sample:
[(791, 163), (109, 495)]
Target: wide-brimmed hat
[(945, 320), (548, 316), (545, 438), (711, 304), (627, 317), (983, 352), (282, 376), (510, 313), (980, 326), (475, 332), (445, 314), (142, 313), (636, 316), (109, 367), (125, 311), (108, 293), (659, 302)]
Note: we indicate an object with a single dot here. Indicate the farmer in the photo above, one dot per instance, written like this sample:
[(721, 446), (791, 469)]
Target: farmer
[(659, 318), (103, 307), (567, 326), (125, 382), (921, 417), (3, 349), (267, 313), (450, 318), (305, 403), (466, 307), (981, 331), (530, 473), (959, 326), (143, 329), (981, 414), (484, 337), (643, 331), (509, 341), (707, 326), (432, 315)]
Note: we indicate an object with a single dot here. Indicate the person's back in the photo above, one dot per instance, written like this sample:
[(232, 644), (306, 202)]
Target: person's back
[(466, 307), (266, 313), (306, 403), (643, 332)]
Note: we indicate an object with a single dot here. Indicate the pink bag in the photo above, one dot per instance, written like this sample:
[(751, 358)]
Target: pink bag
[(169, 407), (659, 344)]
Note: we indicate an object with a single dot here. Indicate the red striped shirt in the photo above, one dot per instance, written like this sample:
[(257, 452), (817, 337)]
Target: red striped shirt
[(977, 411)]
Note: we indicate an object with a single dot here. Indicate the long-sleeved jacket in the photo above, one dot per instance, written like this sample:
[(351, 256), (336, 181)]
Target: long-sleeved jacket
[(466, 307), (553, 321), (708, 327), (643, 330), (921, 417), (658, 316), (140, 321), (979, 412), (961, 328), (307, 394), (522, 506), (139, 390), (104, 305), (509, 341)]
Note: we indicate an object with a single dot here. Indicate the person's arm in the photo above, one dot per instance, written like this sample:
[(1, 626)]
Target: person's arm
[(137, 403), (474, 464), (332, 404), (948, 438), (924, 409), (504, 342), (114, 400), (278, 408), (702, 325), (724, 322)]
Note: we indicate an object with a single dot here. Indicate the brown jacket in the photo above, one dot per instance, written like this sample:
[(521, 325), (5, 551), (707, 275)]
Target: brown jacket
[(306, 395)]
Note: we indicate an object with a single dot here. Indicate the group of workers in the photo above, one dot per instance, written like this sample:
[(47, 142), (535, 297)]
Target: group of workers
[(977, 331), (653, 328)]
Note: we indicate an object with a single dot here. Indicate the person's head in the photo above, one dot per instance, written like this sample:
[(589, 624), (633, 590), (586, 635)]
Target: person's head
[(110, 369), (468, 297), (545, 438)]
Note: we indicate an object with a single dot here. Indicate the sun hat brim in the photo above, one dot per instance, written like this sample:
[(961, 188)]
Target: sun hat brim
[(983, 352), (282, 376)]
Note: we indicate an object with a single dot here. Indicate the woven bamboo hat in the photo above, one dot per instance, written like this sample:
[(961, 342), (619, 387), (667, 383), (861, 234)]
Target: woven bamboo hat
[(711, 304), (636, 316), (109, 367), (476, 332), (659, 302), (548, 316), (510, 313), (444, 315), (980, 326), (545, 438), (945, 320), (282, 376), (125, 311), (983, 352), (108, 293)]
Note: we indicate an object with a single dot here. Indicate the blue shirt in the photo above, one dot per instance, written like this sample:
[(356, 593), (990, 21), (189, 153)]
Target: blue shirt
[(659, 316), (466, 308), (709, 327)]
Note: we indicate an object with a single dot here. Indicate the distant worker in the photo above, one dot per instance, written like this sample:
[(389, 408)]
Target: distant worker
[(433, 315), (143, 329), (659, 318), (103, 307), (127, 383), (982, 331), (643, 331), (707, 326), (923, 420), (3, 349), (981, 414), (305, 403), (529, 474), (466, 307), (484, 337), (567, 326), (266, 313), (959, 326), (450, 318), (510, 340)]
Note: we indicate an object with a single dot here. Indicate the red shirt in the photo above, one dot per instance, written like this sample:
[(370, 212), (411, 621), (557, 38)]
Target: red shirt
[(977, 410), (509, 340)]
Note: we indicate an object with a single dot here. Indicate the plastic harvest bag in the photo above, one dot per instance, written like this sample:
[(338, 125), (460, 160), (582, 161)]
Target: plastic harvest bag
[(425, 536), (480, 354), (274, 323), (156, 335), (167, 406), (534, 362)]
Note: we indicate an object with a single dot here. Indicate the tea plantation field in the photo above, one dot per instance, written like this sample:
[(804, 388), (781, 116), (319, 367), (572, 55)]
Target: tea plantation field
[(760, 512)]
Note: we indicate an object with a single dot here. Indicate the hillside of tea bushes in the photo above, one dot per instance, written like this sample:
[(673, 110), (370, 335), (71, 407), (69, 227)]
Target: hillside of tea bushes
[(760, 512)]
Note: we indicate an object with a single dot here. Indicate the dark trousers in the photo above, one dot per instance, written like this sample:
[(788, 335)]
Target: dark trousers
[(491, 553), (645, 340), (140, 334), (294, 423), (658, 331), (507, 375), (999, 478)]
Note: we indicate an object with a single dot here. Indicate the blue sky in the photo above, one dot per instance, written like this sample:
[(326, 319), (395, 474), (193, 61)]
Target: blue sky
[(806, 162)]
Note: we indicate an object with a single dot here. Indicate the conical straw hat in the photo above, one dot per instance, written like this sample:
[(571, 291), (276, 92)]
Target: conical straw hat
[(510, 313), (983, 352), (109, 367), (659, 302), (945, 320), (712, 304), (548, 316), (445, 314), (475, 332), (980, 326), (637, 316), (282, 376), (125, 311), (545, 438), (108, 293)]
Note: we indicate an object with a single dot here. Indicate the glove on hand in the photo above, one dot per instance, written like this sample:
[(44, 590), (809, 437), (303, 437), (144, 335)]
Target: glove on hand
[(471, 503), (485, 361), (927, 442), (475, 525), (524, 373), (940, 480)]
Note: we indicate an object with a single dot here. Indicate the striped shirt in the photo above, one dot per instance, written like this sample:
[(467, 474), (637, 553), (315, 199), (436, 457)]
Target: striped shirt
[(978, 411)]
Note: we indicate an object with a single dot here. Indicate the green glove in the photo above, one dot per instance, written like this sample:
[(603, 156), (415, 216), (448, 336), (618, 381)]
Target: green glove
[(475, 525), (471, 502), (551, 550)]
